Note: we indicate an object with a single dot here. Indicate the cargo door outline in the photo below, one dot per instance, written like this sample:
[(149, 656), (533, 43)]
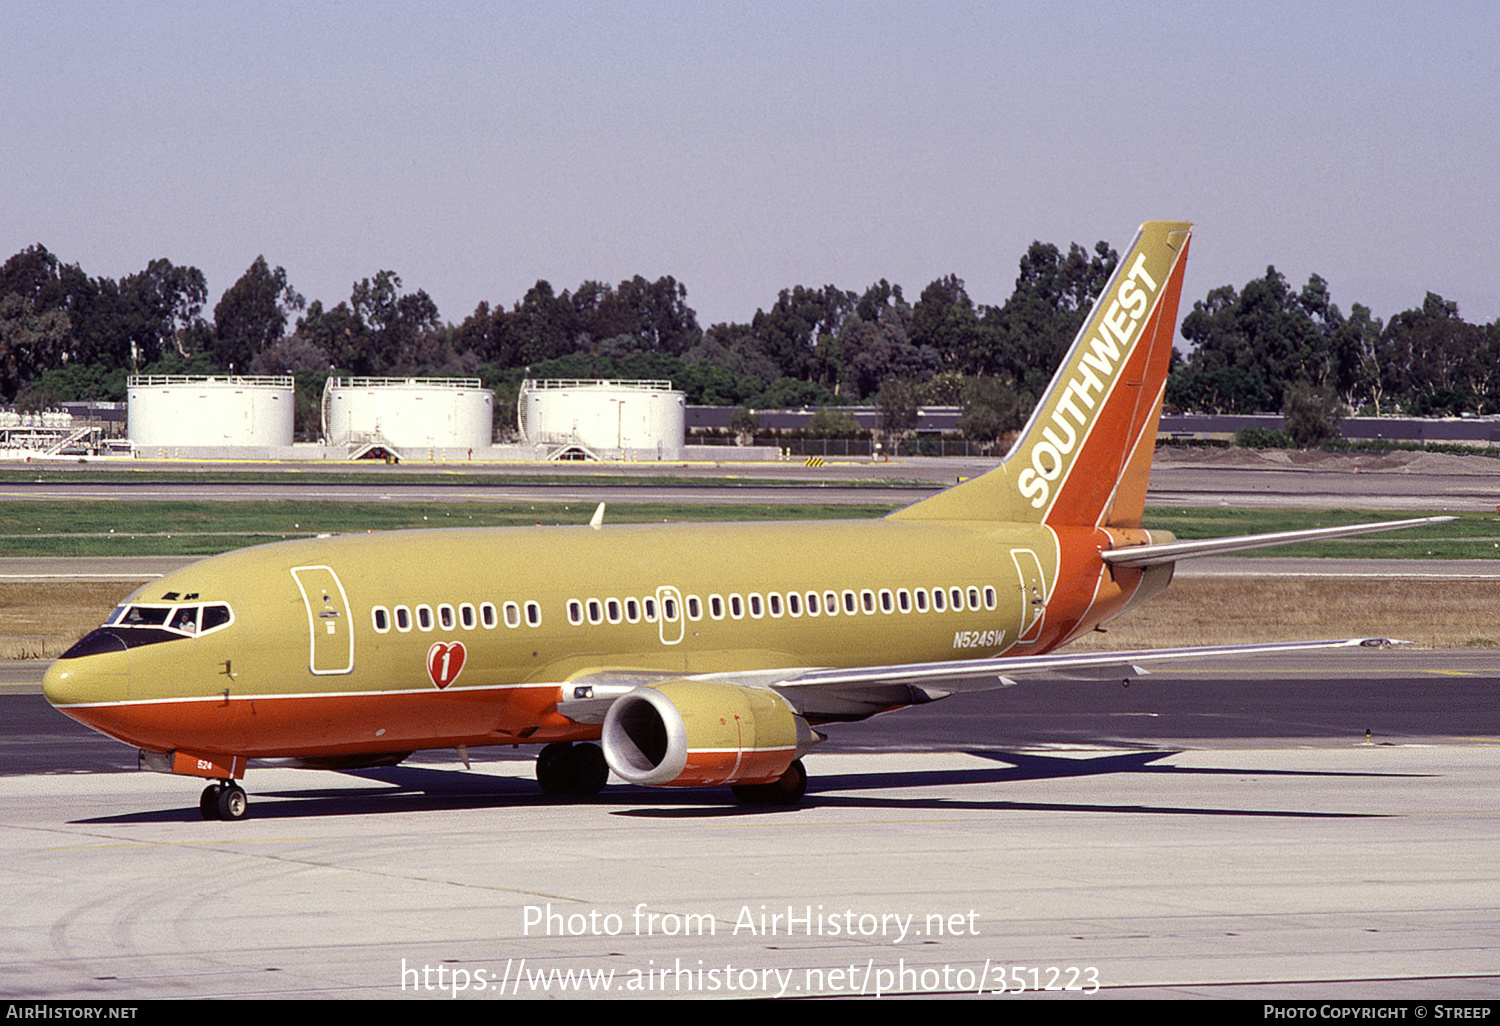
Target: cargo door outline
[(671, 627), (330, 627), (1033, 595)]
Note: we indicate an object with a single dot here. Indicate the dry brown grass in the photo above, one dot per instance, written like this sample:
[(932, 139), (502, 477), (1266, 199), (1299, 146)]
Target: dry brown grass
[(1221, 611), (41, 620)]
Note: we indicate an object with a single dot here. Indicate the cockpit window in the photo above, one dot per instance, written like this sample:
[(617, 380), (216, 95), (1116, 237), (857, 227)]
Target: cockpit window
[(186, 620), (145, 616), (214, 616), (138, 624)]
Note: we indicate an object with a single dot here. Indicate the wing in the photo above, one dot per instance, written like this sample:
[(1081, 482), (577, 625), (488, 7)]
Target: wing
[(827, 695)]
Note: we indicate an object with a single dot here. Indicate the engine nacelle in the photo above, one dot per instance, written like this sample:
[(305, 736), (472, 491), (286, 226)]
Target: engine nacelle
[(684, 733)]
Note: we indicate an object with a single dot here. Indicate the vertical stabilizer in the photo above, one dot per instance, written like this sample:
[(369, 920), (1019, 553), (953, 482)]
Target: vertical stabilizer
[(1084, 457)]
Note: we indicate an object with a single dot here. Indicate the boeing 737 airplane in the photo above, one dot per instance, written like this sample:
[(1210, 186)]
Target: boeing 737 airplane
[(672, 655)]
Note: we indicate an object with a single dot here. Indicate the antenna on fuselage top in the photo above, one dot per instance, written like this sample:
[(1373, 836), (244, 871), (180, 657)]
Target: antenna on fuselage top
[(597, 519)]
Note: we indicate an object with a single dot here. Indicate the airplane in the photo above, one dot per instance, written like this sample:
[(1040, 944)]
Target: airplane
[(683, 655)]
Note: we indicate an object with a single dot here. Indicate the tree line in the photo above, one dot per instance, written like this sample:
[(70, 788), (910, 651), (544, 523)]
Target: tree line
[(66, 335)]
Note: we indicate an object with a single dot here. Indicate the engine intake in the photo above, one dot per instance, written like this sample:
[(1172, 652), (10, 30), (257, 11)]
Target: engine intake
[(685, 733)]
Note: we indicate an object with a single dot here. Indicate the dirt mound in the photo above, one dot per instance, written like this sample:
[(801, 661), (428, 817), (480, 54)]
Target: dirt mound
[(1358, 463), (1447, 463)]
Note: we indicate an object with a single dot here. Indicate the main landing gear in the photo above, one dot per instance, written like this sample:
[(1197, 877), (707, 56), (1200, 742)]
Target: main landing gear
[(564, 768), (224, 800), (788, 789)]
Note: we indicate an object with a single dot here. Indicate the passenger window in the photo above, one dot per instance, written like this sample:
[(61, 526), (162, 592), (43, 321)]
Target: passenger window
[(466, 616), (596, 611), (831, 603), (755, 609), (850, 605), (989, 596), (812, 603), (533, 614), (903, 600), (793, 603), (575, 612), (773, 603), (403, 619), (487, 615), (632, 610), (512, 614), (612, 610), (649, 605), (694, 607), (381, 619), (445, 617), (736, 607), (974, 598), (938, 601), (716, 606), (957, 595), (921, 597), (424, 618), (867, 597)]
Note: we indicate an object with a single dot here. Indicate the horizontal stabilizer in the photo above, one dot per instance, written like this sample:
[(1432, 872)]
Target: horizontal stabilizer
[(1171, 552)]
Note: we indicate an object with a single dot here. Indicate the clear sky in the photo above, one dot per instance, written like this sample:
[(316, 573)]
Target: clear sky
[(476, 147)]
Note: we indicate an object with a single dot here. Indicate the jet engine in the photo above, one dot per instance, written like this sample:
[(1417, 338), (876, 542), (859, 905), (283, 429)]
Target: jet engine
[(684, 733)]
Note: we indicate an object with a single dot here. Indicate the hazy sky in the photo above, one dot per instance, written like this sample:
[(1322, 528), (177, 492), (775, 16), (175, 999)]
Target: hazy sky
[(744, 148)]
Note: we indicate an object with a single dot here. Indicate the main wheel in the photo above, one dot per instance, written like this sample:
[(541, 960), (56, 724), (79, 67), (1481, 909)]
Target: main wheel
[(562, 768), (787, 789), (208, 802), (232, 802), (590, 769), (552, 767)]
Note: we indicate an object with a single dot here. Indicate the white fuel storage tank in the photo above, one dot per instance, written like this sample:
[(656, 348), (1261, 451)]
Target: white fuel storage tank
[(409, 413), (176, 410), (604, 416)]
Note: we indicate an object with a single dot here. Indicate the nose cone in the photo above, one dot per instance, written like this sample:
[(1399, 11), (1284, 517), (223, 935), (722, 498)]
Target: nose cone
[(99, 676)]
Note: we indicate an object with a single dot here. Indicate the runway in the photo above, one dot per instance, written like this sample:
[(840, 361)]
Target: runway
[(1180, 476), (462, 490)]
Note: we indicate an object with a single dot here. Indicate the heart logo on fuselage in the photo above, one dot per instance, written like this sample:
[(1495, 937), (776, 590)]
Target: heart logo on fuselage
[(445, 660)]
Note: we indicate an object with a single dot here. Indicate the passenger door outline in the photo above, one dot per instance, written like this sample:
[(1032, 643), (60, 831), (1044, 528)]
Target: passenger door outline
[(1033, 595), (330, 628), (670, 619)]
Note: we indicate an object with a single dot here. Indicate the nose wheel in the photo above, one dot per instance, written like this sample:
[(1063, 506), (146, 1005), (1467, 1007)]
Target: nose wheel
[(225, 800)]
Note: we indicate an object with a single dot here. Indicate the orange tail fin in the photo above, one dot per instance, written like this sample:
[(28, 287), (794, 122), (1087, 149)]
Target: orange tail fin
[(1084, 457)]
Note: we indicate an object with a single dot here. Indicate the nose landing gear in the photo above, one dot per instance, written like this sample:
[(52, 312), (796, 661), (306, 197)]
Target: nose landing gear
[(224, 800)]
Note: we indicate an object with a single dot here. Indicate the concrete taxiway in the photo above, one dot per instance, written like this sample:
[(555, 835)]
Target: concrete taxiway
[(1351, 872), (1200, 833)]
